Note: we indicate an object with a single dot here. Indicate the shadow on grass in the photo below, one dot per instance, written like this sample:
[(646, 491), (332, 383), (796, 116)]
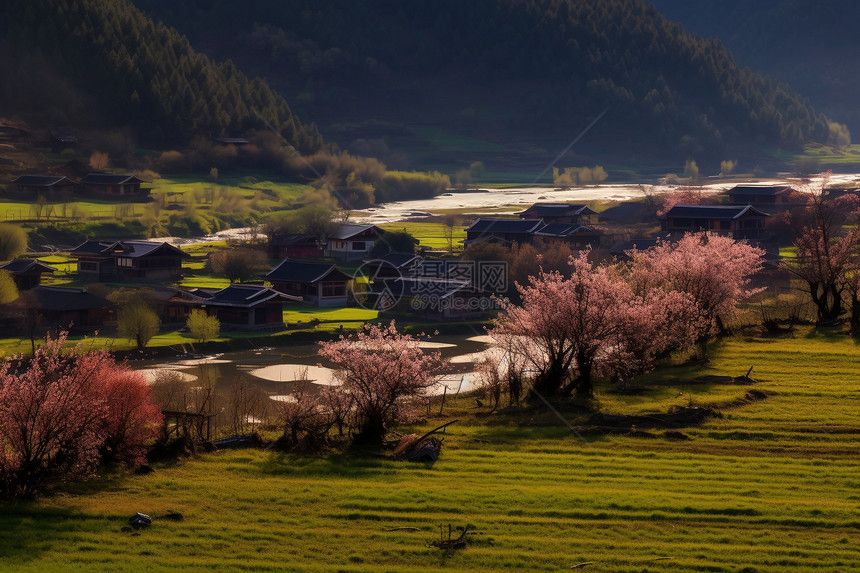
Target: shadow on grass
[(350, 465), (828, 333), (27, 530)]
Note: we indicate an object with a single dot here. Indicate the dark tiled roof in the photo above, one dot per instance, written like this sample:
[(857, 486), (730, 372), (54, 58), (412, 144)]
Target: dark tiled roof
[(303, 272), (719, 212), (90, 247), (348, 231), (43, 180), (65, 298), (135, 249), (108, 179), (540, 210), (759, 190), (563, 230), (131, 249), (25, 265), (285, 239), (504, 226), (246, 296)]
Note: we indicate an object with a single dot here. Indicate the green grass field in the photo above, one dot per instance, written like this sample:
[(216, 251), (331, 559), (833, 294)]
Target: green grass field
[(773, 485), (430, 235)]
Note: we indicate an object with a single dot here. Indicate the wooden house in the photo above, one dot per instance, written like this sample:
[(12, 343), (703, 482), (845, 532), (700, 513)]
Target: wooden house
[(738, 222), (128, 260), (112, 186), (559, 213), (246, 307), (504, 231), (32, 187), (578, 236), (72, 308), (26, 273), (352, 242), (61, 140), (319, 284), (293, 246), (761, 195)]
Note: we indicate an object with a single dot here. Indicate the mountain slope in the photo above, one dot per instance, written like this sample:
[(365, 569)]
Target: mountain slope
[(516, 76), (812, 44), (90, 62)]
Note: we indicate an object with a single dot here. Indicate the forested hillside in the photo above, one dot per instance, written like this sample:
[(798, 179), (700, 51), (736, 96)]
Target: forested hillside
[(509, 73), (102, 63), (812, 44)]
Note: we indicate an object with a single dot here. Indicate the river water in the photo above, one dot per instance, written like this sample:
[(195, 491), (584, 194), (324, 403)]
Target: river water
[(281, 372)]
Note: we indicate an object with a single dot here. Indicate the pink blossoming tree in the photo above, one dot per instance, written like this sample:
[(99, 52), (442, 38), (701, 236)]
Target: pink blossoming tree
[(714, 270), (382, 373), (62, 411)]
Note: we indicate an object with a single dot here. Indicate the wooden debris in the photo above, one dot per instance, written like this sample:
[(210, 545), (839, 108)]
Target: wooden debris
[(402, 529), (581, 565), (424, 448), (456, 543)]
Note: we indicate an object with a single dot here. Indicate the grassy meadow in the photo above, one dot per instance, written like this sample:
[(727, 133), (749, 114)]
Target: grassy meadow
[(772, 485)]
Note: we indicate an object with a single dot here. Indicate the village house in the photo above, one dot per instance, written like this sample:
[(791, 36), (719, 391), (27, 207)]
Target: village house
[(761, 195), (505, 231), (509, 231), (128, 260), (52, 187), (245, 307), (293, 246), (319, 284), (352, 242), (559, 213), (113, 186), (578, 236), (26, 273), (72, 308), (738, 222)]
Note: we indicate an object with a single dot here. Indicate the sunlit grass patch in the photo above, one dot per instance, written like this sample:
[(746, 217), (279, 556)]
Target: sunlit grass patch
[(769, 486)]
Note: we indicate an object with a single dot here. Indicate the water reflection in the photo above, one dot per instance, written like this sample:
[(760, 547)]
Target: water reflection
[(263, 379)]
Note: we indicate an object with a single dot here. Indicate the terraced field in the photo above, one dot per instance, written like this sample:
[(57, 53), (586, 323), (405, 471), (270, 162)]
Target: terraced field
[(772, 485)]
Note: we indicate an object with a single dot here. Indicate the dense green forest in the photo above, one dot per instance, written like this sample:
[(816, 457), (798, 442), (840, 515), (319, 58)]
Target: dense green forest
[(812, 44), (89, 63), (513, 73)]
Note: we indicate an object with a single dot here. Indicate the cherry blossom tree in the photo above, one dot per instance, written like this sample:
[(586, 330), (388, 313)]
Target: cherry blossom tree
[(713, 269), (653, 326), (61, 411), (563, 324), (620, 321), (382, 373)]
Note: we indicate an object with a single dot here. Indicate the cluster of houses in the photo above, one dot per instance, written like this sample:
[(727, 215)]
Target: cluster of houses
[(441, 289), (95, 185)]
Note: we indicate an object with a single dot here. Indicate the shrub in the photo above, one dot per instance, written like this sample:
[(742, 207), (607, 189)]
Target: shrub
[(63, 411)]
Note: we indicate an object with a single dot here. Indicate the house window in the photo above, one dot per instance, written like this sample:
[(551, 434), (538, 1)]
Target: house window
[(358, 245), (124, 262), (87, 266), (332, 289), (725, 225)]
